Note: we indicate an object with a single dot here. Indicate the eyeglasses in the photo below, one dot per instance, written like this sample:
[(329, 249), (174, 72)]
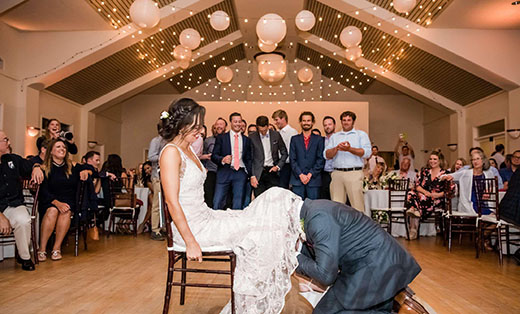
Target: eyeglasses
[(516, 157), (5, 139)]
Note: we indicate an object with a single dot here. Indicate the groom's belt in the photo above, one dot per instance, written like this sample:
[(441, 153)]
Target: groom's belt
[(348, 169)]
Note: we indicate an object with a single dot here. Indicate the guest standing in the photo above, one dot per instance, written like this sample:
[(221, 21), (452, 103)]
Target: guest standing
[(54, 131), (218, 128), (329, 127), (404, 149), (374, 159), (156, 145), (286, 131)]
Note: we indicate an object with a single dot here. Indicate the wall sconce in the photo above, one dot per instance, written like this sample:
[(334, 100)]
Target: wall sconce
[(514, 133), (92, 144), (32, 131), (452, 147)]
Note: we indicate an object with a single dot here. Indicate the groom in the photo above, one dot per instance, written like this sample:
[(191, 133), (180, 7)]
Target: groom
[(363, 265)]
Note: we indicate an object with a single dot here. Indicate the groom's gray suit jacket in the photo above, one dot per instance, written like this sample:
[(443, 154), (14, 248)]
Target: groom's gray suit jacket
[(347, 250)]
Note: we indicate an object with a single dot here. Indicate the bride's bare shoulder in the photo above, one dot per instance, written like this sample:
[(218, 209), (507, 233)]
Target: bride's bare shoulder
[(170, 154)]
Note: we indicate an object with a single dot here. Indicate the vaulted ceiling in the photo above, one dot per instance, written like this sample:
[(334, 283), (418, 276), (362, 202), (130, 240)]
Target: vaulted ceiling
[(391, 43)]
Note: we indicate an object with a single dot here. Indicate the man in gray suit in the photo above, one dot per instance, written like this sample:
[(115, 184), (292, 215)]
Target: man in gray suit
[(269, 156), (365, 267)]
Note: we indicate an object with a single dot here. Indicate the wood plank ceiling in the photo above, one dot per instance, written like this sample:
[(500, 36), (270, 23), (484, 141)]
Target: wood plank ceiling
[(404, 59), (424, 12), (140, 58)]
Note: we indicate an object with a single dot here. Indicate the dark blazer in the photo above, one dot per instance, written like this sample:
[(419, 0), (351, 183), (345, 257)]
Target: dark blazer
[(278, 152), (362, 262), (307, 160), (510, 204), (223, 148)]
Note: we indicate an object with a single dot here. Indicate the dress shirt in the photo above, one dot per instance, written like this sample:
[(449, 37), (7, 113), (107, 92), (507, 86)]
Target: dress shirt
[(197, 146), (12, 169), (154, 151), (328, 162), (240, 149), (266, 145), (287, 132), (357, 139), (209, 144)]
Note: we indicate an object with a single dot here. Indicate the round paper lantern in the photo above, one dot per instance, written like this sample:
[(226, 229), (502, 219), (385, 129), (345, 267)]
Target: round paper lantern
[(184, 64), (145, 13), (350, 36), (266, 47), (305, 75), (353, 53), (182, 53), (224, 74), (190, 38), (271, 28), (219, 20), (359, 63), (305, 20), (271, 67), (404, 6)]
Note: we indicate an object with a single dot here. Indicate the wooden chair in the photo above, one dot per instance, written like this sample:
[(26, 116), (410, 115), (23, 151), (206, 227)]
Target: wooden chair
[(437, 217), (30, 192), (79, 223), (124, 205), (177, 252), (397, 193), (456, 222)]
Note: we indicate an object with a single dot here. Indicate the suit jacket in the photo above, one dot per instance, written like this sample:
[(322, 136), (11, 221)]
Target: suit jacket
[(362, 262), (307, 160), (465, 178), (222, 148), (278, 152), (510, 204)]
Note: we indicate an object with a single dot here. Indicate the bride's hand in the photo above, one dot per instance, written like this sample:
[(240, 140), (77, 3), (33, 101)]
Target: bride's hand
[(193, 252)]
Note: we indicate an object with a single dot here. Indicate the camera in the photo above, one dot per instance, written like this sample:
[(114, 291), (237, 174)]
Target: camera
[(67, 135)]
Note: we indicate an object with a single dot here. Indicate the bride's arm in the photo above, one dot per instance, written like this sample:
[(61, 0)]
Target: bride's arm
[(170, 164)]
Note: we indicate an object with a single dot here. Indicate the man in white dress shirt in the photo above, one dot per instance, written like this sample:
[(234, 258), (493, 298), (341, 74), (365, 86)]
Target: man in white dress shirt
[(347, 149), (286, 131)]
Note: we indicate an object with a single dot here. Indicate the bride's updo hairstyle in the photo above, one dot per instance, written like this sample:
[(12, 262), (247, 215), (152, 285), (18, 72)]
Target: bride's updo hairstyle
[(182, 117)]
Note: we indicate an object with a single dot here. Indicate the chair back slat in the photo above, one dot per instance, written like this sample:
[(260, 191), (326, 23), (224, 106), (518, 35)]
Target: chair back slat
[(398, 192), (487, 195), (122, 192)]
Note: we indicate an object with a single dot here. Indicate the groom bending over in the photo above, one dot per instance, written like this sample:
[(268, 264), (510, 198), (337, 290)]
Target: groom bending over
[(363, 265)]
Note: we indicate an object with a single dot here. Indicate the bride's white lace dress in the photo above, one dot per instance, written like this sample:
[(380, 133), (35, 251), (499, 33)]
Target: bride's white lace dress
[(263, 237)]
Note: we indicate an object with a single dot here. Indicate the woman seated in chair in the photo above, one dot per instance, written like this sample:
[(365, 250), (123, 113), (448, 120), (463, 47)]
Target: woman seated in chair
[(374, 180), (146, 181), (57, 196), (428, 194)]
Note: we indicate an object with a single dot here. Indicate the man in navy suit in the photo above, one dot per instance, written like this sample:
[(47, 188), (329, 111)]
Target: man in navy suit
[(307, 161), (232, 154)]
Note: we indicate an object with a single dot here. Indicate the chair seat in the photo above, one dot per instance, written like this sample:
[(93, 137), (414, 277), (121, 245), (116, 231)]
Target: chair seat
[(463, 214), (392, 209), (180, 248), (122, 208)]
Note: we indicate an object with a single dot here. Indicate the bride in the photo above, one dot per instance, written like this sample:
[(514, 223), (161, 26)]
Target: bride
[(263, 235)]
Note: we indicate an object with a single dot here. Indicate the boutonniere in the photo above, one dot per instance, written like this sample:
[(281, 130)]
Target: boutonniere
[(10, 164), (302, 224), (302, 233)]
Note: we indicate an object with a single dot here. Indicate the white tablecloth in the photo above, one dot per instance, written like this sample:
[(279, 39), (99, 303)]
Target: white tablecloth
[(379, 199)]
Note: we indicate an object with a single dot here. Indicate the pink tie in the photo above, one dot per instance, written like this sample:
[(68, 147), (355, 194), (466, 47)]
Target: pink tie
[(236, 161)]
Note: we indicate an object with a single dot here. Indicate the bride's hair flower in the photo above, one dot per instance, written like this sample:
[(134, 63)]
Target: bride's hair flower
[(165, 115)]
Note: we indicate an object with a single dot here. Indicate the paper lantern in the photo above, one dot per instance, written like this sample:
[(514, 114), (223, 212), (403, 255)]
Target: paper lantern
[(305, 75), (190, 38), (305, 20), (182, 53), (353, 53), (271, 28), (219, 20), (350, 36), (266, 47), (145, 13), (224, 74), (271, 67), (184, 64), (404, 6)]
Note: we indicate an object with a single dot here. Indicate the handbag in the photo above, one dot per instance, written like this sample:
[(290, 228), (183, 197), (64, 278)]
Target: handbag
[(93, 232)]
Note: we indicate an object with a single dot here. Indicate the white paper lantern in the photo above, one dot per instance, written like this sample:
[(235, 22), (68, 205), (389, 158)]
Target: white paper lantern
[(219, 20), (350, 36), (305, 75), (305, 20), (181, 53), (224, 74), (266, 47), (145, 13), (271, 67), (184, 64), (190, 38), (271, 28), (353, 53), (404, 6), (359, 63)]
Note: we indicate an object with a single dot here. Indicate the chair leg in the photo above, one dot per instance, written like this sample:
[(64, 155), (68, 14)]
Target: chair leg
[(110, 222), (233, 265), (389, 226), (499, 239), (460, 238), (34, 242), (479, 239), (406, 227), (76, 241), (135, 227), (85, 236), (450, 230), (183, 279), (507, 241), (169, 281)]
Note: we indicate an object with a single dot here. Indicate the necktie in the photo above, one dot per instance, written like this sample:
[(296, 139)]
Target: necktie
[(236, 160)]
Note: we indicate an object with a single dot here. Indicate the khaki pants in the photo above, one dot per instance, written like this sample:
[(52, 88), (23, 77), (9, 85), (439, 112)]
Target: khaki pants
[(348, 183), (156, 183), (20, 221)]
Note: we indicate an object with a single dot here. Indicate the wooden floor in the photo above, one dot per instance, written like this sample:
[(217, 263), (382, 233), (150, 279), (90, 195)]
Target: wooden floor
[(124, 274)]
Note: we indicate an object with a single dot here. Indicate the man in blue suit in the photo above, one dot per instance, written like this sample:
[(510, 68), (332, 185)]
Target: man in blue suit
[(307, 161), (363, 265), (232, 154)]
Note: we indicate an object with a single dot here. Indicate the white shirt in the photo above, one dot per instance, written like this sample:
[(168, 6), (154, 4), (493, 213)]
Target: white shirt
[(499, 158), (287, 132), (232, 137), (266, 145), (357, 139)]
